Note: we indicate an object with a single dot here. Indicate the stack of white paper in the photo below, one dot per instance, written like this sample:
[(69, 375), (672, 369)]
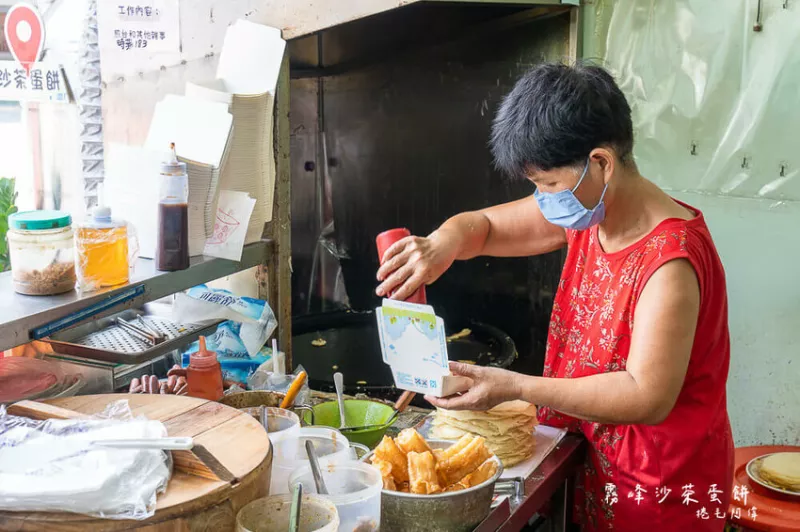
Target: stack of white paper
[(201, 131), (246, 79)]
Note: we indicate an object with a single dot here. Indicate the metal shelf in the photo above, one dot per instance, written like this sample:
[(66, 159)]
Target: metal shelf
[(23, 318)]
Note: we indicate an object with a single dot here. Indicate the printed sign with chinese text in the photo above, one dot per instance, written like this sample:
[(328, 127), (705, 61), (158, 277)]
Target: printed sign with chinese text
[(46, 83)]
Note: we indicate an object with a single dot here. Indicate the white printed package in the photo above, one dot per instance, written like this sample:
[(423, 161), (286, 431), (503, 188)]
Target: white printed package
[(414, 345), (203, 304)]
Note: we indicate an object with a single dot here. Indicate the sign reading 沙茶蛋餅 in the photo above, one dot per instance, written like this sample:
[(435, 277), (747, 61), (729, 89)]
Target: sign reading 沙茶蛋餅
[(46, 83), (137, 36)]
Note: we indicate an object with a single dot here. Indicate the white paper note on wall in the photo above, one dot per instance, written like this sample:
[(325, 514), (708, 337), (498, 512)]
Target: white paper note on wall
[(137, 36)]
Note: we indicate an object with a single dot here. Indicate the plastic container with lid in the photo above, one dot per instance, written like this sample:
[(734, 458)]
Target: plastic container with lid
[(283, 429), (282, 424), (353, 487), (289, 454), (42, 252), (101, 247)]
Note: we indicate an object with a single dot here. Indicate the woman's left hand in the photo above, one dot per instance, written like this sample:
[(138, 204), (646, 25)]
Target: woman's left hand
[(490, 387)]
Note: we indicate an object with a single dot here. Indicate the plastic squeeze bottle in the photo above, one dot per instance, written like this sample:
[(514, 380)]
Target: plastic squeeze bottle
[(383, 242), (172, 252), (204, 374)]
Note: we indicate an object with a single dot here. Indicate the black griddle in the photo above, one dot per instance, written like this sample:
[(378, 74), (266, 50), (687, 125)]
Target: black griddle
[(351, 346)]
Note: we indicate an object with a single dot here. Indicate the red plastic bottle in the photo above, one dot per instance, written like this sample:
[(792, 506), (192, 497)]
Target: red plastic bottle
[(384, 241), (204, 374)]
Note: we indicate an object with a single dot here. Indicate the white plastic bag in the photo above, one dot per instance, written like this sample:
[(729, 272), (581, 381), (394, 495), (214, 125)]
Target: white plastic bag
[(53, 465), (203, 304), (265, 379)]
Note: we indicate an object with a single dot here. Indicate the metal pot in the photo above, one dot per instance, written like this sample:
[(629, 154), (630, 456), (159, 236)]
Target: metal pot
[(455, 511), (252, 402)]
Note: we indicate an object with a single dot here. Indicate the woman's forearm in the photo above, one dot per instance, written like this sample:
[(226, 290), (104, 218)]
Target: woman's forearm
[(468, 230), (514, 229), (605, 398)]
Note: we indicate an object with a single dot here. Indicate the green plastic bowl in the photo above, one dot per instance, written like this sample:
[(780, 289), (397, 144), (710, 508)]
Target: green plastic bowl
[(358, 413)]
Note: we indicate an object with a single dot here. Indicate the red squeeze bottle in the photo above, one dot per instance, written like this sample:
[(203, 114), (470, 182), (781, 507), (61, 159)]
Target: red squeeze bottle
[(384, 241), (204, 374)]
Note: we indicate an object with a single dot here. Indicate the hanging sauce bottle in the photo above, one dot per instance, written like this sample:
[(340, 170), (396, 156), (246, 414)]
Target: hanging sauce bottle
[(101, 245), (172, 252), (204, 374)]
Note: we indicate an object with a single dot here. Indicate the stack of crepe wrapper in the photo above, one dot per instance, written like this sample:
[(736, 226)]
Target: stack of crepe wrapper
[(782, 470), (508, 429)]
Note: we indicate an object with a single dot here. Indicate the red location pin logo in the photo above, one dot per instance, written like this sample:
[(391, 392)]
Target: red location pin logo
[(25, 34)]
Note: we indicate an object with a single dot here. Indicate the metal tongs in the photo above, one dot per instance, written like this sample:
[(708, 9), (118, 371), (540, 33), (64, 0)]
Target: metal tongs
[(144, 333)]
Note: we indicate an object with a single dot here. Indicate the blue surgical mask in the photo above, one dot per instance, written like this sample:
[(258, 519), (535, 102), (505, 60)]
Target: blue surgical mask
[(565, 210)]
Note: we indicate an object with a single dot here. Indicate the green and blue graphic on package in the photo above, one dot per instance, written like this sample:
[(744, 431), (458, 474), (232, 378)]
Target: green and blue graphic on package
[(203, 304), (414, 345), (237, 364)]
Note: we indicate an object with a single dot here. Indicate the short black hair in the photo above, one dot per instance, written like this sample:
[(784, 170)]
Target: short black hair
[(555, 115)]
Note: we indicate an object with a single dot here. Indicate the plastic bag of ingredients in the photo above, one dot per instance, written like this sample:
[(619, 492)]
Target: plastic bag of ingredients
[(237, 364), (53, 465), (264, 378), (202, 304)]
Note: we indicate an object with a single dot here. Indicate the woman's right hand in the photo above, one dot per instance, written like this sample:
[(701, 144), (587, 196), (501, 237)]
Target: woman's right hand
[(415, 261)]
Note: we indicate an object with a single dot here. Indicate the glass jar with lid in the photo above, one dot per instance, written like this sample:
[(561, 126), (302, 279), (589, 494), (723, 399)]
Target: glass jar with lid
[(42, 252)]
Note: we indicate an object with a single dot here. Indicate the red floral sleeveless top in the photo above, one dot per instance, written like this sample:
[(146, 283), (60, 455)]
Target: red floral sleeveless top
[(676, 475)]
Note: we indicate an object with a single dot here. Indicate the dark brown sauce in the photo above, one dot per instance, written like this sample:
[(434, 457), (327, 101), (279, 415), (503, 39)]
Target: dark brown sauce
[(173, 237)]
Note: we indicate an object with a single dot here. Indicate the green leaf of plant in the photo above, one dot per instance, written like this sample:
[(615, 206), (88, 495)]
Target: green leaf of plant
[(8, 197)]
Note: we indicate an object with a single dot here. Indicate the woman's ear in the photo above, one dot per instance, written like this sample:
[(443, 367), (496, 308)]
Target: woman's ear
[(606, 160)]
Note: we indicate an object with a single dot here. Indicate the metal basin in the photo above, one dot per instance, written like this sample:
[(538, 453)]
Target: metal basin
[(253, 401), (457, 511)]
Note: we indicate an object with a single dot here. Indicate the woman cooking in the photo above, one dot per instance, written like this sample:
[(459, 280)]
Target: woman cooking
[(638, 347)]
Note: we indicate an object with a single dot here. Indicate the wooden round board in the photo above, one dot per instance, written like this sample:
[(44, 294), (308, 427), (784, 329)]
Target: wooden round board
[(191, 503)]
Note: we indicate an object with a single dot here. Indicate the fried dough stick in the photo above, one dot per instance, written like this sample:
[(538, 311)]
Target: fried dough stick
[(486, 471), (455, 448), (422, 473), (409, 440), (464, 462), (386, 474), (388, 451)]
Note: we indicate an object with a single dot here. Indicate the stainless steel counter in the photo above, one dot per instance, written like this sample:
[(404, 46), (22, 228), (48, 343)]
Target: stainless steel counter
[(23, 318), (552, 481)]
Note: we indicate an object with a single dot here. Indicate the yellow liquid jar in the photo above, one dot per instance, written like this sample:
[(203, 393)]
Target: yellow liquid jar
[(101, 249)]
